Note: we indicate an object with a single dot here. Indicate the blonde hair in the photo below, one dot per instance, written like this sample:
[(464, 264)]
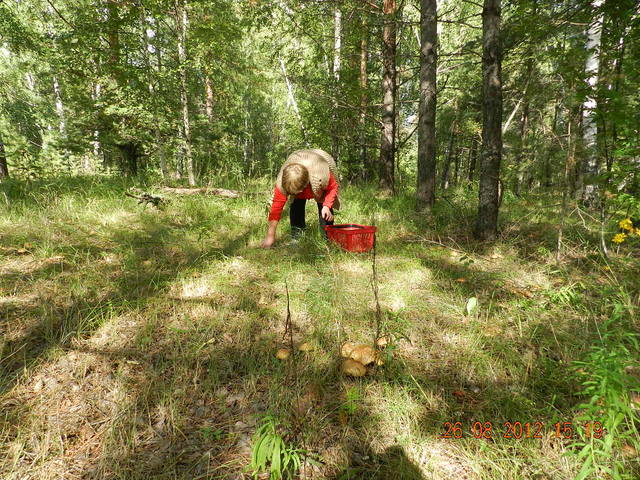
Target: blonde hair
[(295, 177)]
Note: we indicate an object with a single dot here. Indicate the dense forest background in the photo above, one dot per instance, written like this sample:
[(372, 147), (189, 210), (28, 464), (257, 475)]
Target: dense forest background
[(495, 144), (195, 91)]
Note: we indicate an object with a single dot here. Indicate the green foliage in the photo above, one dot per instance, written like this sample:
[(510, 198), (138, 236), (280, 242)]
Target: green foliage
[(212, 434), (272, 454), (607, 387), (352, 400), (471, 306), (14, 31)]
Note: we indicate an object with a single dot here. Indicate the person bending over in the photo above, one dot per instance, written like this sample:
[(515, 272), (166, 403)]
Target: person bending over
[(307, 174)]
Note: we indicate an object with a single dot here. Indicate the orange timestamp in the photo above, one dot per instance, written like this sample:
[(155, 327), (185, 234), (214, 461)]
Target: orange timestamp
[(520, 430)]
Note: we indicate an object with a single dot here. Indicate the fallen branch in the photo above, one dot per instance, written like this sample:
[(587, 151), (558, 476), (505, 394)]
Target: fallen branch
[(220, 192), (145, 199)]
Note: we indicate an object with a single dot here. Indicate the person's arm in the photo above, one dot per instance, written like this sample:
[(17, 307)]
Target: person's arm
[(270, 238), (277, 205), (329, 198)]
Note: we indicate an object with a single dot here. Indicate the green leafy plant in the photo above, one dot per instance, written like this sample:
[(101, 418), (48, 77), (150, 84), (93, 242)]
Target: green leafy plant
[(472, 304), (208, 433), (568, 295), (353, 397), (608, 387), (271, 453)]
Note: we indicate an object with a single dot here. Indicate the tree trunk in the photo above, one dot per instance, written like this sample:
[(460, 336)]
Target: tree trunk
[(547, 173), (151, 33), (130, 155), (292, 100), (162, 158), (591, 163), (364, 161), (337, 45), (97, 148), (569, 167), (615, 86), (4, 168), (387, 148), (208, 98), (473, 154), (246, 157), (129, 150), (524, 122), (444, 178), (62, 123), (426, 187), (491, 156), (456, 163), (182, 22)]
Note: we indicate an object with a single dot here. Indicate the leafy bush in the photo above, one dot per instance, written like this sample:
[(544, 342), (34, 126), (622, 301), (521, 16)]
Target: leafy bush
[(271, 453), (609, 389)]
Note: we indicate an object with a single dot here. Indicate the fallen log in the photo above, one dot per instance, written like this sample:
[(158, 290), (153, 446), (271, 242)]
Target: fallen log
[(145, 198), (220, 192)]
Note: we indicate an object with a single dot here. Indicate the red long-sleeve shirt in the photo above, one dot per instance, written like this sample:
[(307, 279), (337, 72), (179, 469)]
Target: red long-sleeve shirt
[(280, 199)]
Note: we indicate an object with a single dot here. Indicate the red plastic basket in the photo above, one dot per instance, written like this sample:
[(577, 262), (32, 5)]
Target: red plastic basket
[(352, 237)]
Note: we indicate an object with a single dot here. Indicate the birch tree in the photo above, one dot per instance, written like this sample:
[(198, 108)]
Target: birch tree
[(387, 148), (364, 41), (591, 162), (182, 23), (337, 46)]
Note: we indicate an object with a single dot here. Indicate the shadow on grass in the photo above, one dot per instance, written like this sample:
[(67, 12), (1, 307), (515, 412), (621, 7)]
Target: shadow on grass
[(392, 464), (152, 257)]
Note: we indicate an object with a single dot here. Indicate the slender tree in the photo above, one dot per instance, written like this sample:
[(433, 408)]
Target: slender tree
[(182, 22), (426, 188), (387, 148), (451, 148), (473, 153), (337, 47), (524, 123), (4, 169), (591, 163), (491, 155), (364, 40)]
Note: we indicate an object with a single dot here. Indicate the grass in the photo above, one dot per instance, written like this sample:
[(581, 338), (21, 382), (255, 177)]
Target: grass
[(139, 343)]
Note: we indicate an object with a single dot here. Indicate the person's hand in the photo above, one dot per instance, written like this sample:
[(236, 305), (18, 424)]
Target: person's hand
[(326, 214), (268, 242)]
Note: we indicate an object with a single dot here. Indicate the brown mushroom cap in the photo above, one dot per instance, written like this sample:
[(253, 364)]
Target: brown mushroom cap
[(353, 369), (346, 349), (382, 341), (306, 347), (283, 354), (363, 353)]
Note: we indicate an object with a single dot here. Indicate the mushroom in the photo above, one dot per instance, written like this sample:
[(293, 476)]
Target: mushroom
[(365, 354), (353, 369), (346, 349), (382, 341), (283, 354), (306, 347)]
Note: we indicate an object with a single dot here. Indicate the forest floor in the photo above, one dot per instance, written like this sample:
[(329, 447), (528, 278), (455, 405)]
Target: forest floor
[(139, 343)]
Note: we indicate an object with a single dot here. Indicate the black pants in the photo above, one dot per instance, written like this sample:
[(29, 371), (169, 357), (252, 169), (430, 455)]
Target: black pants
[(296, 216)]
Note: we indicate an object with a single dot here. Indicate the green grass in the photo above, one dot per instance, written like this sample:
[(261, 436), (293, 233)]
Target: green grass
[(139, 343)]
